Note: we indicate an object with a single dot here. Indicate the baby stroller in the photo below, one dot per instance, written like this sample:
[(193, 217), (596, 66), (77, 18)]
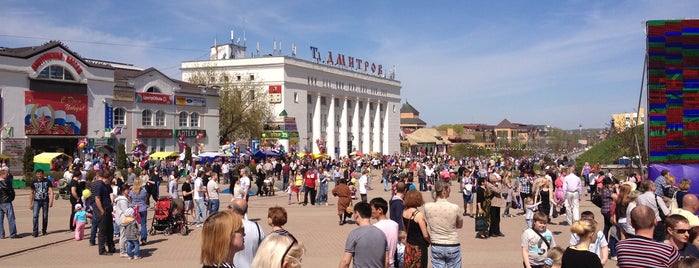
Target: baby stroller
[(169, 217), (268, 186), (63, 190)]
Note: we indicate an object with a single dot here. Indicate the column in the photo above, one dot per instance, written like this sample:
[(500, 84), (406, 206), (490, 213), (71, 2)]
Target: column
[(377, 129), (344, 130), (366, 129), (386, 129), (330, 130), (355, 126), (316, 126)]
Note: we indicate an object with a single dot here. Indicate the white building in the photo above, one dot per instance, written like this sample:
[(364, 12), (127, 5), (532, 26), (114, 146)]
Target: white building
[(343, 104)]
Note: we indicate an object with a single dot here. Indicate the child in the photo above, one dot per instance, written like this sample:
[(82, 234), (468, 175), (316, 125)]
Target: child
[(131, 234), (536, 241), (79, 220), (400, 248), (530, 207), (555, 258), (508, 199), (599, 245), (289, 190)]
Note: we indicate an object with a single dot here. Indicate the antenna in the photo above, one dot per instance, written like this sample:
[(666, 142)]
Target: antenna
[(232, 36), (244, 39)]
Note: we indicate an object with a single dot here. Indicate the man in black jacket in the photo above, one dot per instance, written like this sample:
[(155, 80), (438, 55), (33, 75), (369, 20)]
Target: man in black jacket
[(7, 195)]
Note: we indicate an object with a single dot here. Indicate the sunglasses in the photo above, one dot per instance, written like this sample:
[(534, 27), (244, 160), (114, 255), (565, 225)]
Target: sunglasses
[(681, 231), (294, 241)]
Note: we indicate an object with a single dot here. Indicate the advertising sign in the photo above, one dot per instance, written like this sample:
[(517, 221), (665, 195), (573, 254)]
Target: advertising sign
[(54, 113), (153, 98), (190, 101), (153, 133), (123, 95), (190, 133)]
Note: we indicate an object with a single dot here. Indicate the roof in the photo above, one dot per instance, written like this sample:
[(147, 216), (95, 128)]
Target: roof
[(28, 52), (426, 135), (412, 121), (407, 108), (506, 124), (121, 78)]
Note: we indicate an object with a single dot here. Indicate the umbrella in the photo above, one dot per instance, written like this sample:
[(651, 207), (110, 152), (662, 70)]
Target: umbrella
[(317, 156), (357, 153)]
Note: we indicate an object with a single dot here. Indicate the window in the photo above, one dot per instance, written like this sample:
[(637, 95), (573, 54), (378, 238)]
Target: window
[(147, 118), (119, 116), (55, 72), (310, 123), (361, 105), (184, 119), (194, 120), (252, 77), (337, 102), (309, 99), (322, 100), (296, 97), (153, 90), (160, 119), (237, 78), (252, 95)]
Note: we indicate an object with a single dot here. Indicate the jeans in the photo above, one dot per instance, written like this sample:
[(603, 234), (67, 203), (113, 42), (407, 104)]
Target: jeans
[(93, 230), (133, 248), (105, 240), (144, 226), (385, 184), (323, 193), (44, 206), (312, 192), (446, 256), (7, 209), (200, 210), (423, 184), (213, 206), (156, 191), (285, 181)]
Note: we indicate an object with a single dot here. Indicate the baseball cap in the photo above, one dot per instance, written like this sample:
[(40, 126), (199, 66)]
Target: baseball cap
[(78, 206)]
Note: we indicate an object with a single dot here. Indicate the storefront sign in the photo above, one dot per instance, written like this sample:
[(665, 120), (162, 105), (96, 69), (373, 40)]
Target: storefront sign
[(14, 148), (123, 96), (108, 116), (153, 98), (153, 133), (55, 114), (190, 133), (190, 101), (51, 56)]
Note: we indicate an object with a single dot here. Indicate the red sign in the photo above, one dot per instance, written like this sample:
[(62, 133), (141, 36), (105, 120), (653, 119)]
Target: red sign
[(275, 89), (55, 114), (153, 98), (46, 57), (153, 133)]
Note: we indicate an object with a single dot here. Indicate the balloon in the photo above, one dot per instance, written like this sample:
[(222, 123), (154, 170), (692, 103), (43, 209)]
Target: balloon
[(86, 193), (81, 145)]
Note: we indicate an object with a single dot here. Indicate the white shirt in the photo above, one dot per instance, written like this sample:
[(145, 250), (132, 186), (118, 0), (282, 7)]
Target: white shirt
[(362, 184), (390, 229), (239, 191), (226, 167), (197, 186)]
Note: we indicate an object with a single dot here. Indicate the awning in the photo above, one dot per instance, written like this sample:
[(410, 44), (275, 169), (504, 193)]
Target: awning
[(47, 157), (163, 155)]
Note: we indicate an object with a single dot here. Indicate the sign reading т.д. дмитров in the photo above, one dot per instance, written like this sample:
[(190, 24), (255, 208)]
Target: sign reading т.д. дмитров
[(55, 114)]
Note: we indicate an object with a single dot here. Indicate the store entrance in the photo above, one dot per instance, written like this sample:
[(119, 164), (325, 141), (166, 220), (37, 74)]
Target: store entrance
[(55, 145)]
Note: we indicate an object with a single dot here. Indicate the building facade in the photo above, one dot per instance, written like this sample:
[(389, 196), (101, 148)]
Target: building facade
[(332, 108), (51, 98), (623, 121)]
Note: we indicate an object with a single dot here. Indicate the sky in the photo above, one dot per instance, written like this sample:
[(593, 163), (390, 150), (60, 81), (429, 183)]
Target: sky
[(566, 63)]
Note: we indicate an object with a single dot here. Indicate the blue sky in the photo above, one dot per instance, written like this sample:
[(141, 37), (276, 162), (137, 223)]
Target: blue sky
[(559, 63)]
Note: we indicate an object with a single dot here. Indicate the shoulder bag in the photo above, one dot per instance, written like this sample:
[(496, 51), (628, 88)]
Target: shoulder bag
[(542, 238)]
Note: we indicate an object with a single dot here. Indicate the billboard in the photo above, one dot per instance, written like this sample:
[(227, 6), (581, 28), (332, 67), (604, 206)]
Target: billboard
[(673, 91), (55, 114)]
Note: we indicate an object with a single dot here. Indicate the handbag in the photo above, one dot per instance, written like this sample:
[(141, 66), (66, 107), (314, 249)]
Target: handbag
[(673, 203), (597, 200), (554, 212), (349, 209), (481, 223)]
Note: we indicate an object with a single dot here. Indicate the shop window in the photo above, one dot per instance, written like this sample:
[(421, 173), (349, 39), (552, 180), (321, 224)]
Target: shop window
[(184, 119), (194, 120), (119, 116), (147, 118), (56, 72), (160, 119)]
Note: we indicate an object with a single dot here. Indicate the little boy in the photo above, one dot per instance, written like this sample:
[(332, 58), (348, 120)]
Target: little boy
[(536, 241), (530, 207), (131, 234), (400, 248)]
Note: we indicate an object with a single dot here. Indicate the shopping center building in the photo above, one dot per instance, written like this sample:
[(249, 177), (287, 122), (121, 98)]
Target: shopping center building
[(330, 103), (52, 98)]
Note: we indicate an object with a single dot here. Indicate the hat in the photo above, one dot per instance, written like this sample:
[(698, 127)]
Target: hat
[(128, 212), (632, 184), (607, 181), (78, 206)]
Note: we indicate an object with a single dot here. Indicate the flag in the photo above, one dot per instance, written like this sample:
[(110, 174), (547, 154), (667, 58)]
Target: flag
[(117, 130)]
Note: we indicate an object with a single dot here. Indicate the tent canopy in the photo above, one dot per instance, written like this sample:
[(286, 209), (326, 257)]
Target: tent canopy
[(47, 157), (163, 155), (194, 156)]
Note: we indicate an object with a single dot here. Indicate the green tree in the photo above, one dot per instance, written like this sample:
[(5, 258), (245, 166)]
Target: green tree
[(28, 164), (188, 154), (244, 106), (121, 156)]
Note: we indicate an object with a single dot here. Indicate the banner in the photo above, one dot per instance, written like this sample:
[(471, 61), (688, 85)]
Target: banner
[(153, 98), (190, 101), (55, 114)]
